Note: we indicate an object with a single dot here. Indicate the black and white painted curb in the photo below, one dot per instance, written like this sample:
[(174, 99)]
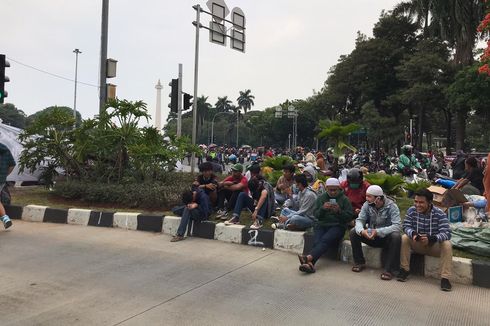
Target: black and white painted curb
[(465, 271)]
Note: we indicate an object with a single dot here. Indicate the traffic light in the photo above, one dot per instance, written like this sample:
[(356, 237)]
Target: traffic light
[(3, 79), (187, 102), (174, 95)]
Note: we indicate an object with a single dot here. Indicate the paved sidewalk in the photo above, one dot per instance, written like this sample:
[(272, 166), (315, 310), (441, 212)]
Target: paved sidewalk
[(52, 274)]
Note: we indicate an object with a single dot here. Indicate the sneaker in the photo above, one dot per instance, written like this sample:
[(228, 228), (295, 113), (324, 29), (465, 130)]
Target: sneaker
[(402, 275), (275, 219), (232, 221), (256, 225), (279, 226), (6, 221), (221, 212), (445, 285), (224, 217)]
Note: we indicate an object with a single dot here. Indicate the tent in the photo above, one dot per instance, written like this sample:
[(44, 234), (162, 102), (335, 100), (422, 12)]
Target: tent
[(9, 136)]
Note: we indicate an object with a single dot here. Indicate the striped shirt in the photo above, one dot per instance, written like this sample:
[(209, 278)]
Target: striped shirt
[(434, 223)]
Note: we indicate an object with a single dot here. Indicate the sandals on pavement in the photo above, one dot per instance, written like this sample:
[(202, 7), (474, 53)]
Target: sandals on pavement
[(357, 268), (307, 268), (177, 238), (386, 276)]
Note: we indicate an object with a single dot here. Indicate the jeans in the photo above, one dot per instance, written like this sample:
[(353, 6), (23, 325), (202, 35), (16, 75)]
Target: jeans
[(230, 196), (244, 201), (326, 237), (391, 249), (280, 198), (187, 216), (300, 221)]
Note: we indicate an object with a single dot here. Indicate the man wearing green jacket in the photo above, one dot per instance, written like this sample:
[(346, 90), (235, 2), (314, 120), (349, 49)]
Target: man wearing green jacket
[(333, 211)]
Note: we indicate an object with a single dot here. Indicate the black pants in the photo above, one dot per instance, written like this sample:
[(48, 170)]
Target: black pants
[(391, 249), (230, 196)]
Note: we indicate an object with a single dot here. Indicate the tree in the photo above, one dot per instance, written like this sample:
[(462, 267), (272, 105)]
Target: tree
[(223, 104), (246, 100), (337, 134), (32, 117), (203, 108), (12, 116)]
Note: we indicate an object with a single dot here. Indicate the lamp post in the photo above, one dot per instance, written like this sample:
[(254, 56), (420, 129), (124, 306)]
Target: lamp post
[(212, 125), (77, 52)]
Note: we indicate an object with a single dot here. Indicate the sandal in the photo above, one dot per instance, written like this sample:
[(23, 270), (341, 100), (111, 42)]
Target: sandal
[(303, 259), (386, 276), (177, 238), (307, 268), (357, 268)]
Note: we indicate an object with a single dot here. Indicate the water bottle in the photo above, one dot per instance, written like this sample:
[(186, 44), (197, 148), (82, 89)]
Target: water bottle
[(368, 229)]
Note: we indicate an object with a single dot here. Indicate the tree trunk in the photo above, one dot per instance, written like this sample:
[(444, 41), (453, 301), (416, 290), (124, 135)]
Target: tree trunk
[(461, 116), (448, 115), (420, 134)]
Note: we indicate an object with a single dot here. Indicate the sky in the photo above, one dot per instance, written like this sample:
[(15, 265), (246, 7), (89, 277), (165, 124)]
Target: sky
[(291, 45)]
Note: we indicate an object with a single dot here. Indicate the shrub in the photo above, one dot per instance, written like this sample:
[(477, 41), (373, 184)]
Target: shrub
[(416, 186), (278, 162), (161, 195), (391, 184)]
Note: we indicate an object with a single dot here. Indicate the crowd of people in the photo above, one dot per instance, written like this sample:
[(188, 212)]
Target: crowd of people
[(299, 201)]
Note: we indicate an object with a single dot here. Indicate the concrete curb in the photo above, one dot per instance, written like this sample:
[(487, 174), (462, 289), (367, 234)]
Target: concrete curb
[(465, 271)]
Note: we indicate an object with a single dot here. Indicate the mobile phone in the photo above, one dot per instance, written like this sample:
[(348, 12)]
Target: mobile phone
[(333, 201)]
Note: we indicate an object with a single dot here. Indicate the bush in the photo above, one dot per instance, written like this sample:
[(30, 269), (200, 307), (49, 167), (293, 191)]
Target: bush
[(416, 186), (391, 184), (155, 195), (278, 162)]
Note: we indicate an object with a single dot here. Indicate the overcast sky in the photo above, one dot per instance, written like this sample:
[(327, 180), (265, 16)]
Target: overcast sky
[(290, 47)]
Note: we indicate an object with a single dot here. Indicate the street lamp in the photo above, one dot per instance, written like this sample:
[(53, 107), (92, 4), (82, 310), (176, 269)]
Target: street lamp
[(212, 124), (77, 52)]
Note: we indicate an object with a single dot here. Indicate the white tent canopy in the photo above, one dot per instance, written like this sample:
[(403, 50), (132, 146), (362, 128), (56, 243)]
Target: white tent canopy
[(9, 136)]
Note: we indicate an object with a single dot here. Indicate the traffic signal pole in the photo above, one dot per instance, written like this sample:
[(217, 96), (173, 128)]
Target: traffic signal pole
[(196, 74), (179, 104), (103, 56)]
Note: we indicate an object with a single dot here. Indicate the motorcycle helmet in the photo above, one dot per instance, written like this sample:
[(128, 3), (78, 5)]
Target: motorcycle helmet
[(354, 178)]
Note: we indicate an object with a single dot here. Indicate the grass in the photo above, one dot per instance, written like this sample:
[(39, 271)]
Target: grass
[(36, 195)]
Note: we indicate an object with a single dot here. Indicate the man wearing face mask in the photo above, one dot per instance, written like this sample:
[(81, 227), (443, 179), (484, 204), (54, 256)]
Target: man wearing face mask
[(427, 232), (355, 189), (378, 225)]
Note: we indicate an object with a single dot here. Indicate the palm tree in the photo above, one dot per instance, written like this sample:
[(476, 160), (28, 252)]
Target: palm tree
[(223, 104), (246, 100), (203, 108), (338, 134)]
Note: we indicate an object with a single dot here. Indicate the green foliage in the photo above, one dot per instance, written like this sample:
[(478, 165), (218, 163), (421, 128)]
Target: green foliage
[(338, 134), (12, 116), (69, 111), (391, 184), (416, 186), (273, 176), (278, 162), (155, 195)]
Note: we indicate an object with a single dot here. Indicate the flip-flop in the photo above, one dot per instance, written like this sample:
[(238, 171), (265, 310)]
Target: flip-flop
[(307, 268), (386, 276), (303, 259), (358, 268)]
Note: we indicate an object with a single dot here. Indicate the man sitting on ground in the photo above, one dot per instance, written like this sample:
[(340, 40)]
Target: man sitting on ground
[(378, 225), (197, 208), (229, 189), (332, 210), (427, 232), (472, 181), (303, 215), (284, 184)]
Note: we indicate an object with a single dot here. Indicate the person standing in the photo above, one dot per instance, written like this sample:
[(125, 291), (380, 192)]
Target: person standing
[(378, 225), (7, 164), (427, 232)]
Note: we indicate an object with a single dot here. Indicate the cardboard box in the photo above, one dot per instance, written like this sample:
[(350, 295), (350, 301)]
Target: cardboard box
[(438, 193), (447, 197)]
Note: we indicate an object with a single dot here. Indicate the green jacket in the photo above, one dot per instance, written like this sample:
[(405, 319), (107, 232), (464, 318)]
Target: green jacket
[(327, 217)]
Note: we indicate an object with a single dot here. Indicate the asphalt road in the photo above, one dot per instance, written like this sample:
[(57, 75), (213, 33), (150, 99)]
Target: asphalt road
[(53, 274)]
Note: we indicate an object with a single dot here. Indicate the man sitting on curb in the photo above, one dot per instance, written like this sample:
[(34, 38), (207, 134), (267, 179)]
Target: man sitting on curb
[(381, 217), (7, 164), (197, 208), (303, 217), (332, 210), (229, 189), (207, 182), (427, 232)]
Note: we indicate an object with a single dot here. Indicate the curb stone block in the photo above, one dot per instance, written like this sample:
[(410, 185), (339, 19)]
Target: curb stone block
[(289, 241), (33, 213), (481, 273), (371, 255), (204, 229), (152, 223), (228, 233), (462, 269), (55, 215), (170, 224), (14, 211), (78, 216), (128, 221), (332, 253), (103, 219), (258, 238)]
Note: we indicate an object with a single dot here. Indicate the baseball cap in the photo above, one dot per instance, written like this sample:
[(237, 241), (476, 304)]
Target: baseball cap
[(237, 167), (374, 190)]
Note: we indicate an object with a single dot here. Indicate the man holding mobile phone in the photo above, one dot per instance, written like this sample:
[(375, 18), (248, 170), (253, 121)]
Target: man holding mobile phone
[(427, 232)]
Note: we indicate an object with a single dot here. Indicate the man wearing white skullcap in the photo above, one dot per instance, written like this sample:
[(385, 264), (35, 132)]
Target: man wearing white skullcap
[(378, 225), (333, 211)]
